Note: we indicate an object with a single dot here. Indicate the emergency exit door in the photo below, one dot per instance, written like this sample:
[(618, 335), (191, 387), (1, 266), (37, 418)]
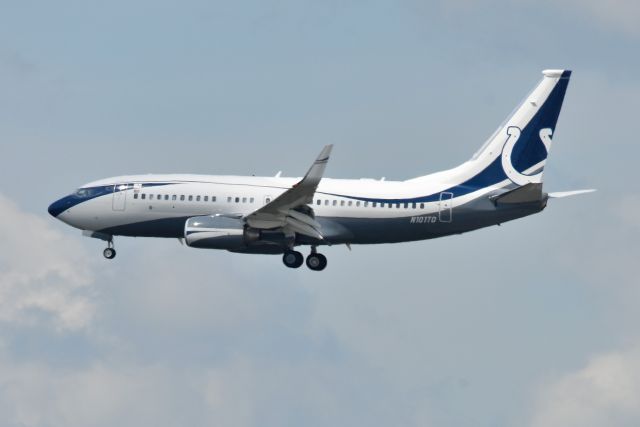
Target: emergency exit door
[(445, 213)]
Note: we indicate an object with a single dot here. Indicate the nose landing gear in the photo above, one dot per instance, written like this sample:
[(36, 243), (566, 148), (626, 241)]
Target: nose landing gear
[(109, 252)]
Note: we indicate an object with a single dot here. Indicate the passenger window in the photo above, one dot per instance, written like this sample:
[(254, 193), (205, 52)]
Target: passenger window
[(182, 197), (357, 204), (350, 203), (143, 196), (341, 202), (398, 205), (237, 199), (229, 199), (326, 202), (190, 198), (375, 204), (135, 196), (150, 196), (366, 204), (421, 205), (390, 205), (174, 197), (335, 202), (206, 198), (197, 198), (414, 206), (267, 200), (166, 197), (318, 202), (244, 200), (251, 200), (406, 205), (213, 198)]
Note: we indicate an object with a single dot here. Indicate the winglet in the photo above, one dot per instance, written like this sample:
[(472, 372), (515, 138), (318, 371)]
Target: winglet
[(315, 172)]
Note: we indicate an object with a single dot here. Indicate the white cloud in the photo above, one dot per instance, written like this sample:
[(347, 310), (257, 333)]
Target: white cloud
[(101, 394), (44, 277), (239, 392), (605, 392)]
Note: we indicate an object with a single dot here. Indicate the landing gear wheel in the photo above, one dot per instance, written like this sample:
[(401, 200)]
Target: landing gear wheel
[(316, 262), (292, 259), (109, 253)]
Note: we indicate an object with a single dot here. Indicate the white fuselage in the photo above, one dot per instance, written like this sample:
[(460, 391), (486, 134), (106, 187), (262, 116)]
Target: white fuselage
[(351, 210), (181, 196)]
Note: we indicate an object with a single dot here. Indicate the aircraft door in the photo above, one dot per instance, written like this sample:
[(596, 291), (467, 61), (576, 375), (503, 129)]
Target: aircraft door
[(445, 212), (119, 197)]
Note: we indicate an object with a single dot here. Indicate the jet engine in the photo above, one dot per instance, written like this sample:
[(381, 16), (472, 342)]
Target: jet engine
[(230, 233)]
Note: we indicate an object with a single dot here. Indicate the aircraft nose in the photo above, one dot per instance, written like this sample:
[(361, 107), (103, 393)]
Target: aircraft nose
[(59, 206)]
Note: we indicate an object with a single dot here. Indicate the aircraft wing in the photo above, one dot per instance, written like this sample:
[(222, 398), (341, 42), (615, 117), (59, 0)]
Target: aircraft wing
[(283, 211)]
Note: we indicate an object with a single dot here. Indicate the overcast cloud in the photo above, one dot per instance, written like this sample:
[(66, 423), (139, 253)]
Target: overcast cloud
[(529, 324)]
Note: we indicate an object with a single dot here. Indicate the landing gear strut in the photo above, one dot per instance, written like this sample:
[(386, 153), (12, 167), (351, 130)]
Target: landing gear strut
[(292, 259), (109, 252)]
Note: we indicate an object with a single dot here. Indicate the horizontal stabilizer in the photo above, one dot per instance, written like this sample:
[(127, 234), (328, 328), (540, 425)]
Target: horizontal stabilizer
[(529, 193), (561, 194)]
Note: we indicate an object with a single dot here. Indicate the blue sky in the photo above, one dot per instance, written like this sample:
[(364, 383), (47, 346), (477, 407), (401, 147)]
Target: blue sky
[(529, 324)]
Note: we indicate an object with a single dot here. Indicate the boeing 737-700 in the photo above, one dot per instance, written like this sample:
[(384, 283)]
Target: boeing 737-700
[(274, 215)]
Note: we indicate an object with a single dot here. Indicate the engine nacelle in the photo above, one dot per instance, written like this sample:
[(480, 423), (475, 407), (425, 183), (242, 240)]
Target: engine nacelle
[(221, 232), (214, 232)]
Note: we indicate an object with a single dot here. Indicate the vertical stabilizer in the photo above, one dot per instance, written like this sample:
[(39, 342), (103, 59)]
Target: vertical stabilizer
[(521, 144)]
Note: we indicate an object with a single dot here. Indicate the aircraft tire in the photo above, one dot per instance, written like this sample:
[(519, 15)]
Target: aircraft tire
[(292, 259), (316, 262), (109, 253)]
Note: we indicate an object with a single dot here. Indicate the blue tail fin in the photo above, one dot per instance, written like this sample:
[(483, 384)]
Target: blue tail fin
[(522, 143)]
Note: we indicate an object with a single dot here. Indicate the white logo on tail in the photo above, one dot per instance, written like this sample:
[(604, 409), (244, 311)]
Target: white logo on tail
[(515, 176)]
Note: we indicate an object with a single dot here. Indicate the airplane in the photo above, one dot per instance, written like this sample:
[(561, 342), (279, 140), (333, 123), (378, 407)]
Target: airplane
[(274, 215)]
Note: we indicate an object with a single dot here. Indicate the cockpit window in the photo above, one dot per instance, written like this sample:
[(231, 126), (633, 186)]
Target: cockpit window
[(84, 193)]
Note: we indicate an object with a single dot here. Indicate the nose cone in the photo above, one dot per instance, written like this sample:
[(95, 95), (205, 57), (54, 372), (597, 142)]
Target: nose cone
[(59, 206)]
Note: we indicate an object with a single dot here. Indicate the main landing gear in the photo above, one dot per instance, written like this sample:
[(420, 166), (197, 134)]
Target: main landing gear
[(292, 259), (109, 252), (315, 261)]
